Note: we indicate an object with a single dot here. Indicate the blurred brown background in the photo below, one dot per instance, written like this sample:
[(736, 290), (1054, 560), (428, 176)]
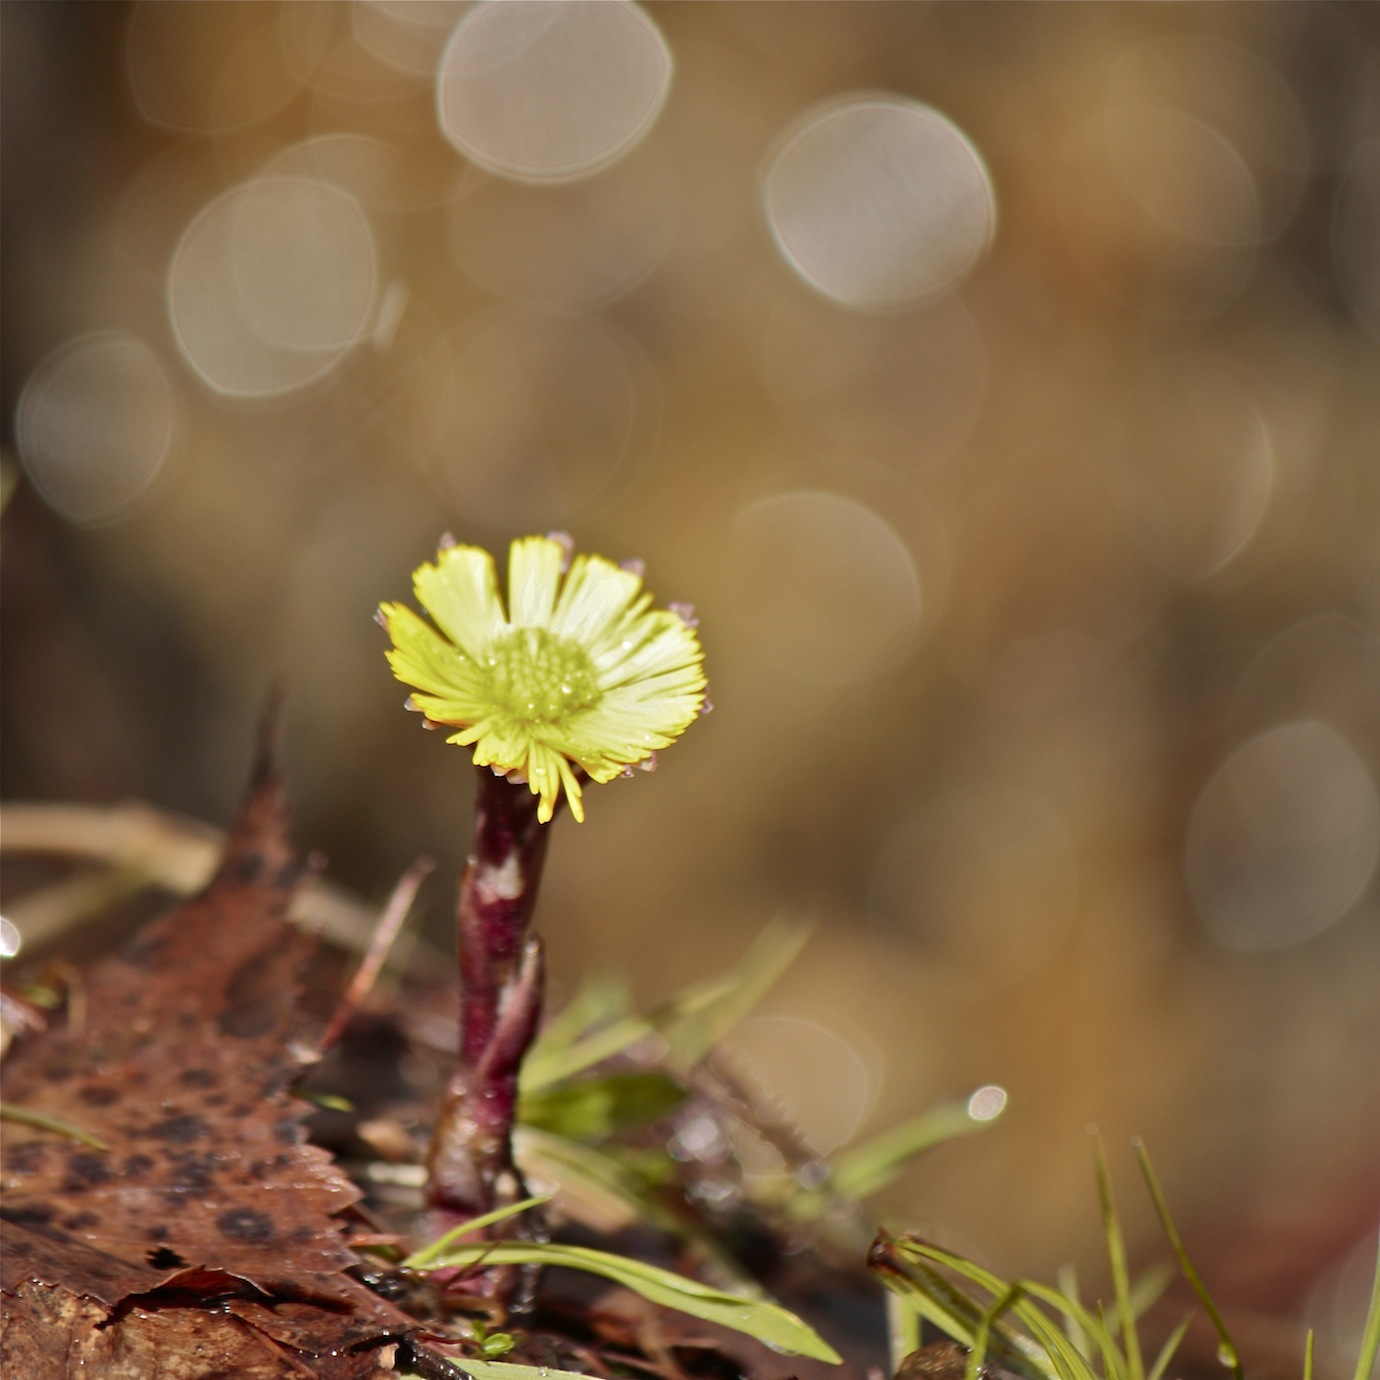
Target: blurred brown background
[(1000, 382)]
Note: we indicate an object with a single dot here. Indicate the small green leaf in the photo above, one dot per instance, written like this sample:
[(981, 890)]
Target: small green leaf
[(327, 1101), (599, 1107), (41, 1122), (768, 1322), (425, 1259), (497, 1344)]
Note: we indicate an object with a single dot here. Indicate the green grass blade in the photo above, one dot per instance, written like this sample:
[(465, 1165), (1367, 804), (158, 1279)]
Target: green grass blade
[(1171, 1345), (597, 1002), (902, 1329), (1370, 1337), (978, 1355), (693, 1022), (1308, 1356), (510, 1370), (1067, 1280), (426, 1258), (1230, 1355), (866, 1168), (552, 1064), (40, 1121), (1116, 1252), (1049, 1351), (1148, 1289), (767, 1321)]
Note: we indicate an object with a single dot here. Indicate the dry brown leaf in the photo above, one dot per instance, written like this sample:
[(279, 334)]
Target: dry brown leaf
[(206, 1195)]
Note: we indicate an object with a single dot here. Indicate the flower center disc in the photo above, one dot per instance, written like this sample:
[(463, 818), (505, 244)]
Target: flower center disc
[(538, 676)]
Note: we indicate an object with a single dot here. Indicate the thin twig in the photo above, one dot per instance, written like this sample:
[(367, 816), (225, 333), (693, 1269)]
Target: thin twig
[(385, 932)]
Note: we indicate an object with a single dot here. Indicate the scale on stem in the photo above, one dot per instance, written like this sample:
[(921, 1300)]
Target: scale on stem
[(578, 678)]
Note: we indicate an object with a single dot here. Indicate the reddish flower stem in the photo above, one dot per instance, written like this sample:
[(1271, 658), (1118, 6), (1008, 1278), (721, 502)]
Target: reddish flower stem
[(471, 1168)]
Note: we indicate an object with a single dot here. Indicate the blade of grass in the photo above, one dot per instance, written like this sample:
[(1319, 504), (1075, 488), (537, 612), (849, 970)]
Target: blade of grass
[(1058, 1356), (1147, 1290), (866, 1168), (1370, 1337), (552, 1064), (510, 1370), (1116, 1252), (1067, 1280), (41, 1122), (990, 1315), (1171, 1345), (903, 1329), (426, 1258), (1308, 1356), (767, 1321), (694, 1021), (1229, 1353)]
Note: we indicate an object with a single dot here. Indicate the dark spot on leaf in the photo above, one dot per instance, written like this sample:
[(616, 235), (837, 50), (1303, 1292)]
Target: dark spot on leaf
[(199, 1078), (165, 1258), (244, 1224), (136, 1166), (286, 1130), (81, 1220), (255, 999), (28, 1214), (99, 1094), (27, 1159), (179, 1129), (87, 1169), (192, 1170), (157, 1233)]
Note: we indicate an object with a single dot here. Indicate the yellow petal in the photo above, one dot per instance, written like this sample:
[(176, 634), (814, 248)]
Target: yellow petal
[(534, 576), (461, 593)]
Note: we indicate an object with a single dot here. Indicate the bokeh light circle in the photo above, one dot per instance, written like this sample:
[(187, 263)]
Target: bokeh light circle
[(96, 422), (1356, 236), (1197, 465), (1161, 209), (271, 285), (551, 90), (879, 202), (830, 589), (1283, 839), (824, 1082)]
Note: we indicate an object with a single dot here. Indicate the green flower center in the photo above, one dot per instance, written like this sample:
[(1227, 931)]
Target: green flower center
[(539, 677)]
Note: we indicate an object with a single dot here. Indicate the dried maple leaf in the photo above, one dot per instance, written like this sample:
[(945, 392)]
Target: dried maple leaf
[(205, 1195)]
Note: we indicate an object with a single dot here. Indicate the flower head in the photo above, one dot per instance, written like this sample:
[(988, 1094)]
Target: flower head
[(579, 671)]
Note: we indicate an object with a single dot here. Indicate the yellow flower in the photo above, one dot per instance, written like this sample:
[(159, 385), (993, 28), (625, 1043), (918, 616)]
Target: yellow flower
[(580, 671)]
